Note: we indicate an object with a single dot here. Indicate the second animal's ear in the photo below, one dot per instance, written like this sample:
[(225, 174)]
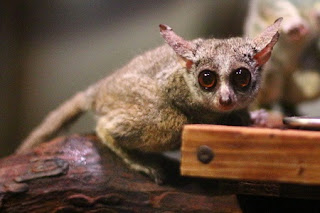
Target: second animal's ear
[(184, 49), (265, 42)]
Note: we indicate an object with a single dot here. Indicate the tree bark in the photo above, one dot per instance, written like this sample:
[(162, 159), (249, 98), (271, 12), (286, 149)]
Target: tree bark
[(77, 174)]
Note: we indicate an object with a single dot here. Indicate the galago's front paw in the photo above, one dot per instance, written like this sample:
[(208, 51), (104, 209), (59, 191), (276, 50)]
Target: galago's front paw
[(263, 118)]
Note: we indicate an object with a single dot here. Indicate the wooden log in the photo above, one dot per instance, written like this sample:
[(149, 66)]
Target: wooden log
[(77, 174), (247, 153)]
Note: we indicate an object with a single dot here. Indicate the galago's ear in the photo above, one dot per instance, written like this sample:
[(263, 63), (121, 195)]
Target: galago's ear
[(184, 49), (265, 42)]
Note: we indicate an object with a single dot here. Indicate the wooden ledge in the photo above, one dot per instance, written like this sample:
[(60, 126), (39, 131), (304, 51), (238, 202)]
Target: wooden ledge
[(249, 153)]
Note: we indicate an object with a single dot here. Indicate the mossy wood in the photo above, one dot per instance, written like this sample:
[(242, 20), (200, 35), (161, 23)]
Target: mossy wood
[(248, 153)]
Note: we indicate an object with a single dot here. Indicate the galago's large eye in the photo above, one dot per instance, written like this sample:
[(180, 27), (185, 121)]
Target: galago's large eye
[(207, 79), (241, 78)]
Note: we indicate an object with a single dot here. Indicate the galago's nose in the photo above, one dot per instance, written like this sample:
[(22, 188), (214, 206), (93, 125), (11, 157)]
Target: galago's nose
[(225, 101)]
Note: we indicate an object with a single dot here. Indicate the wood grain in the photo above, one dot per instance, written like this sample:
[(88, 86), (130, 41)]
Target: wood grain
[(248, 153)]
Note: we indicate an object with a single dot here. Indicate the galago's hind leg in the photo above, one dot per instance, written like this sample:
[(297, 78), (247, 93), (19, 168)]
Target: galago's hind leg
[(152, 165)]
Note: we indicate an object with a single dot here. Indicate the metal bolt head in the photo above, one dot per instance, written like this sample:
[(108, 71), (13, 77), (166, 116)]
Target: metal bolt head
[(205, 154)]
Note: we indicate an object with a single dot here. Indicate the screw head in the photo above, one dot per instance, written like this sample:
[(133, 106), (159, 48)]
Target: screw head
[(205, 154)]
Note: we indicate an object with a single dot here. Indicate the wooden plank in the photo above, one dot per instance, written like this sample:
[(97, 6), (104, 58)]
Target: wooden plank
[(249, 153)]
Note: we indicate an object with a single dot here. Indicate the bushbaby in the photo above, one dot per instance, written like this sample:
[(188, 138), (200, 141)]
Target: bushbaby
[(142, 107)]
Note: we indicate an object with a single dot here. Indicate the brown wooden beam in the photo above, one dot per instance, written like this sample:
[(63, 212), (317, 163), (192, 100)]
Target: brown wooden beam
[(248, 153)]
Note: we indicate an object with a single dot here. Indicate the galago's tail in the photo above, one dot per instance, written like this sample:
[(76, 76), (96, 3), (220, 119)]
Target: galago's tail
[(57, 119)]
